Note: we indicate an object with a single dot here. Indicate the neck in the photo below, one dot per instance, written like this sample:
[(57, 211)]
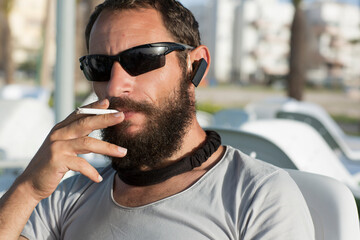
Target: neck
[(129, 195), (192, 140)]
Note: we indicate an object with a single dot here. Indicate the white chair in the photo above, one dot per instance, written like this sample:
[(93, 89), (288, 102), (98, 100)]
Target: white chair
[(305, 147), (320, 120), (331, 204), (18, 91), (205, 119), (24, 124), (268, 107), (231, 118), (255, 145)]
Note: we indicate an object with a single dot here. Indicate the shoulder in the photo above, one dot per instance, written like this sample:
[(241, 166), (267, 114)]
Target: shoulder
[(271, 201), (250, 170), (256, 180)]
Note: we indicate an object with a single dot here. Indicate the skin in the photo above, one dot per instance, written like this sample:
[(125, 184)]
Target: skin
[(112, 33)]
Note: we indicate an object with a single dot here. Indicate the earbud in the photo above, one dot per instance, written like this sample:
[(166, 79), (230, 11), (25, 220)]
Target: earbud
[(198, 72)]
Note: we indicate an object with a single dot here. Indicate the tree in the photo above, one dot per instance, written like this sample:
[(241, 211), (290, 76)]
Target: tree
[(84, 8), (6, 41), (45, 68), (296, 77)]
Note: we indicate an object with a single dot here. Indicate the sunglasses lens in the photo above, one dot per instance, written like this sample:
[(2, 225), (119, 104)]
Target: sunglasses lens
[(97, 68), (142, 60), (135, 61)]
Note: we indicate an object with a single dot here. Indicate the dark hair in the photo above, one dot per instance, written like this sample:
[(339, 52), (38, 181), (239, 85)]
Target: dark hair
[(178, 20)]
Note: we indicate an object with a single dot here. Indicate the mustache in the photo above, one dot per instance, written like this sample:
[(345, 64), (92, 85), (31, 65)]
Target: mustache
[(130, 104)]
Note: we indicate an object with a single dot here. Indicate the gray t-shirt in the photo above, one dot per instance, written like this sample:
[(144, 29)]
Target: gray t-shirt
[(239, 198)]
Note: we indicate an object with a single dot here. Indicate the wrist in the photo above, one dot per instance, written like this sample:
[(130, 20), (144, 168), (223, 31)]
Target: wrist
[(25, 190)]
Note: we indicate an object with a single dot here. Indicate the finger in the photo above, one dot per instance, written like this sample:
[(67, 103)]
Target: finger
[(102, 104), (80, 165), (91, 145), (84, 126)]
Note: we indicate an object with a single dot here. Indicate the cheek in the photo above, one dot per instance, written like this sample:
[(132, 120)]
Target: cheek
[(162, 83), (100, 89)]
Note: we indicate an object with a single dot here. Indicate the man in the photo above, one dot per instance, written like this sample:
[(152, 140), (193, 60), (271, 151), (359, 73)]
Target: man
[(168, 178)]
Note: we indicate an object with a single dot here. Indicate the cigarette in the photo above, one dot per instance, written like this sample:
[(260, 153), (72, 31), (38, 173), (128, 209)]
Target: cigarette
[(95, 111)]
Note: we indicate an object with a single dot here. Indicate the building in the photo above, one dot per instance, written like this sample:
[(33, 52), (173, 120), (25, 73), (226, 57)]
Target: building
[(249, 40), (334, 44), (261, 40)]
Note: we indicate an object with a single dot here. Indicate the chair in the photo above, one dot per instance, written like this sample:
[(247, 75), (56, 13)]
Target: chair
[(305, 147), (289, 144), (24, 124), (268, 107), (231, 118), (331, 204), (255, 145), (320, 120), (18, 91), (205, 119)]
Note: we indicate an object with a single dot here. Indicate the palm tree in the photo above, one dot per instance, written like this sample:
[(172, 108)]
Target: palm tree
[(296, 77), (6, 40)]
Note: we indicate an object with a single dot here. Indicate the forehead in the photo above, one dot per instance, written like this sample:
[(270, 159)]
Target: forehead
[(115, 31)]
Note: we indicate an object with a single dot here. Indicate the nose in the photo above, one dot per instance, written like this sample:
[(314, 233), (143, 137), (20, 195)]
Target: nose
[(120, 82)]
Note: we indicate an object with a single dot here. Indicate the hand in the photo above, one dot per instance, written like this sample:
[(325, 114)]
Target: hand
[(59, 152)]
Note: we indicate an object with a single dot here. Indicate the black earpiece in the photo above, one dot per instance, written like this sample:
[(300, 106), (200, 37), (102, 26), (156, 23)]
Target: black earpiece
[(199, 68)]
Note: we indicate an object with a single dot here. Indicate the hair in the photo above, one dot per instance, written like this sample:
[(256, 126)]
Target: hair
[(178, 20)]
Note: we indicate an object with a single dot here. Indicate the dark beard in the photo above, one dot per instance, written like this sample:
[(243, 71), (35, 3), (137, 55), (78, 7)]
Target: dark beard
[(162, 134)]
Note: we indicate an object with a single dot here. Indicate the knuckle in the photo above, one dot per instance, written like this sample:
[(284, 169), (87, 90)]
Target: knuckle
[(55, 146), (86, 141), (82, 122), (54, 135), (82, 163), (106, 117)]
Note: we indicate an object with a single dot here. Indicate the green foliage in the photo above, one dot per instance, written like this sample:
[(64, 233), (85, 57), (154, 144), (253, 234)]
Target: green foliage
[(209, 107), (28, 66), (346, 119)]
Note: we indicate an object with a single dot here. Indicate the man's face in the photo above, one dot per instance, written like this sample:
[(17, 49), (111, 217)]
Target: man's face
[(157, 104), (116, 31)]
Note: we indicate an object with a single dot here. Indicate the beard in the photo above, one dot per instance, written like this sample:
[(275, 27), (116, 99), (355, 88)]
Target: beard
[(161, 135)]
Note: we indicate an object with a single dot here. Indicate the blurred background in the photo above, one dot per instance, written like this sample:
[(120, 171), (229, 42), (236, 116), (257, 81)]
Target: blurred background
[(272, 60), (250, 42)]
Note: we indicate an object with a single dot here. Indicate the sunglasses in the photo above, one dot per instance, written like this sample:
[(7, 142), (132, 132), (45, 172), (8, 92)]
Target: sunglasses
[(135, 61)]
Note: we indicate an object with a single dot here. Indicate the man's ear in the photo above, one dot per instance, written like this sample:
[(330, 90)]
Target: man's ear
[(199, 64)]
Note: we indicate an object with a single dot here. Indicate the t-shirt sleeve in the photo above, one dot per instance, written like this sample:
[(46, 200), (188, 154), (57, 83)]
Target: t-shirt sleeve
[(43, 222), (277, 210), (42, 225), (46, 219)]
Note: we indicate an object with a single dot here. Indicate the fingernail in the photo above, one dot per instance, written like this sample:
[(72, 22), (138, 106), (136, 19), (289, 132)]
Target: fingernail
[(103, 102), (119, 114), (122, 150), (100, 178)]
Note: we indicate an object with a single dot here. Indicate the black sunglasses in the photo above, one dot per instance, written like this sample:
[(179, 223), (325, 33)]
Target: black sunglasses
[(135, 61)]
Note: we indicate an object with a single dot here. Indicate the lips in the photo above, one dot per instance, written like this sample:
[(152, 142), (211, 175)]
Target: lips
[(127, 113)]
